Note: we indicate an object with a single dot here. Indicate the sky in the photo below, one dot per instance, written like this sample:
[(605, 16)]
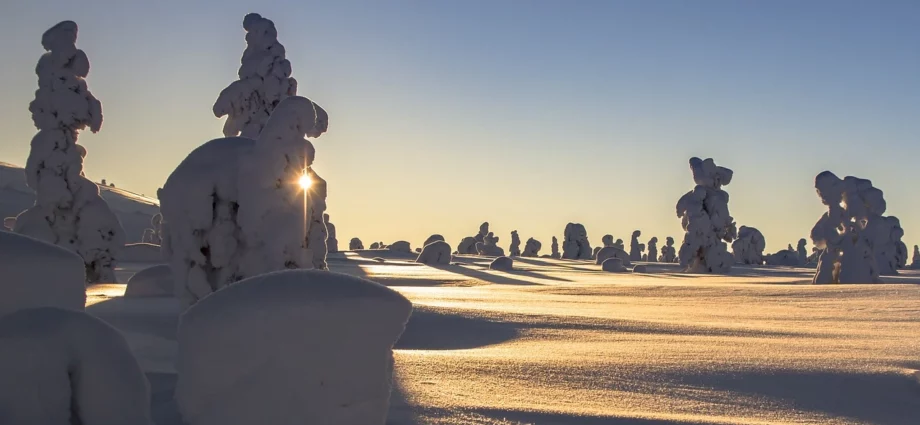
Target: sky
[(527, 114)]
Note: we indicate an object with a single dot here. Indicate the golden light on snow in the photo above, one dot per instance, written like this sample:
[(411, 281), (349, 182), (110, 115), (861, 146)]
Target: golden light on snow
[(305, 181)]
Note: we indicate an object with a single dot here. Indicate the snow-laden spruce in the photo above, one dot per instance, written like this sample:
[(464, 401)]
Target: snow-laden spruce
[(636, 248), (668, 252), (435, 253), (328, 335), (355, 244), (468, 244), (515, 249), (532, 248), (234, 207), (555, 249), (858, 242), (575, 246), (332, 242), (68, 209), (748, 248), (706, 221), (62, 367), (784, 257), (652, 250), (433, 238), (34, 273), (489, 246)]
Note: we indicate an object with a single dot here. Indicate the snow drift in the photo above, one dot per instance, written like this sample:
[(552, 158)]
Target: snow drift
[(435, 253), (302, 347), (38, 274), (156, 281)]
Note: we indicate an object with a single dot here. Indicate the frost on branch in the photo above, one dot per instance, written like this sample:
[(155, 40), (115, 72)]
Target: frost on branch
[(234, 207), (265, 80), (575, 245), (532, 248), (748, 248), (515, 249), (705, 219), (68, 209)]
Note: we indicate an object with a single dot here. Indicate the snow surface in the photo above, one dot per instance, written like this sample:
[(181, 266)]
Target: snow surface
[(38, 274), (560, 342), (502, 263), (301, 347), (156, 281), (61, 367)]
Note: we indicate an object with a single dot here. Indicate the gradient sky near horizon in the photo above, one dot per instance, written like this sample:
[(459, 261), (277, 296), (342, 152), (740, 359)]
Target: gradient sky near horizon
[(526, 114)]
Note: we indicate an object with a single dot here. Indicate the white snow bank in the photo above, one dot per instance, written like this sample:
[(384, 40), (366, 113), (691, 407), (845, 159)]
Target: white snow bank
[(640, 268), (437, 252), (142, 253), (38, 274), (613, 265), (62, 367), (502, 263), (156, 281), (301, 347)]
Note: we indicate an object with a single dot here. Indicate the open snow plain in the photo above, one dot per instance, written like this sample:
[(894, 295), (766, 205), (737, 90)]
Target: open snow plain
[(561, 342)]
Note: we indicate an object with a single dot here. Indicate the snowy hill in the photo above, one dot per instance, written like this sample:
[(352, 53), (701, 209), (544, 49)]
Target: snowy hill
[(133, 210)]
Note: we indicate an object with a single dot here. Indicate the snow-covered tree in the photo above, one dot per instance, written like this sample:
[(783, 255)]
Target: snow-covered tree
[(355, 244), (635, 248), (704, 216), (515, 249), (532, 248), (653, 249), (265, 80), (555, 249), (68, 209), (575, 246), (332, 243), (748, 248), (668, 252)]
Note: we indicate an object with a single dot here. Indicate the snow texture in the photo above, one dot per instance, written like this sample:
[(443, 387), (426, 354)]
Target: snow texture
[(612, 252), (489, 246), (433, 238), (156, 281), (555, 249), (532, 248), (355, 244), (613, 265), (706, 221), (141, 253), (858, 242), (635, 248), (328, 335), (435, 253), (668, 252), (68, 209), (62, 367), (515, 249), (652, 250), (264, 81), (400, 246), (233, 208), (748, 248), (575, 245), (34, 273), (332, 243), (502, 263)]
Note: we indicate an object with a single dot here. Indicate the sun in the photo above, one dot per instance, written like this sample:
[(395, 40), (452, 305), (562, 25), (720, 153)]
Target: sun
[(305, 181)]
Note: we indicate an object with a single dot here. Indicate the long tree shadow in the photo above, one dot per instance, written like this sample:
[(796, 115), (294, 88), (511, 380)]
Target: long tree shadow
[(530, 417), (885, 399), (483, 276), (440, 329)]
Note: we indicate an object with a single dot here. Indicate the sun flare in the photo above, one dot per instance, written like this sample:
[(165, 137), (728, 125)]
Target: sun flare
[(305, 181)]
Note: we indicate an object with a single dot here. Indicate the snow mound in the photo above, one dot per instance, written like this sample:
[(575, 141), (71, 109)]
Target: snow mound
[(611, 252), (39, 274), (63, 367), (640, 268), (437, 252), (156, 281), (400, 246), (614, 265), (141, 253), (786, 257), (502, 263), (301, 347)]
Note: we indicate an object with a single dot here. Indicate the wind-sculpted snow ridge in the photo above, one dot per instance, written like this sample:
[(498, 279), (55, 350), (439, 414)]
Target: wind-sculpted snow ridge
[(62, 367), (332, 243), (748, 248), (330, 333), (858, 242), (575, 246), (355, 244), (234, 207), (68, 209), (435, 253), (706, 221), (636, 248), (532, 248), (34, 273), (515, 249)]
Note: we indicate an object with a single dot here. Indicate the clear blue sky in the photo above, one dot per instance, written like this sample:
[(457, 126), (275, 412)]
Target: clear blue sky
[(528, 114)]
